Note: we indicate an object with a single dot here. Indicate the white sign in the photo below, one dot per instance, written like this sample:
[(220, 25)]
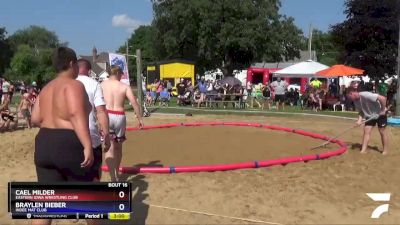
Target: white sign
[(120, 60)]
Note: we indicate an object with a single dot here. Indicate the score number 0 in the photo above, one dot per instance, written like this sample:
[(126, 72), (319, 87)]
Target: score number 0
[(121, 194)]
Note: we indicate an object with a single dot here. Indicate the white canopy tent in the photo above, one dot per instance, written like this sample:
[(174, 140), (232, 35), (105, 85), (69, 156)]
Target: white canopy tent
[(303, 69)]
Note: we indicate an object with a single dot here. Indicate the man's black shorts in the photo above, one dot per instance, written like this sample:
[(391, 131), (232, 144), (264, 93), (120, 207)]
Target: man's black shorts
[(279, 98), (381, 121), (58, 157), (98, 160)]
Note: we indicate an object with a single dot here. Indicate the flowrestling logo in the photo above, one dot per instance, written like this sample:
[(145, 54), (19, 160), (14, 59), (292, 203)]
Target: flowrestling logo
[(379, 197)]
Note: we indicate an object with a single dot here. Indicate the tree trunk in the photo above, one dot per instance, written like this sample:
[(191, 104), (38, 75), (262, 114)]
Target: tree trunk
[(227, 68), (376, 79), (398, 77)]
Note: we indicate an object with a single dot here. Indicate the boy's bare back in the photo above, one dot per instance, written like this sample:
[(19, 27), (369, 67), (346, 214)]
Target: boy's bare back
[(57, 102), (114, 93)]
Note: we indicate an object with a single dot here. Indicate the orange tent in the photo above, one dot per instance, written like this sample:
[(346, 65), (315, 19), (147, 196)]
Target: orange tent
[(340, 71)]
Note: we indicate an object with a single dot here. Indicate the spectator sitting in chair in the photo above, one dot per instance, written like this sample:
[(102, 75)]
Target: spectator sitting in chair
[(197, 98), (341, 102), (7, 120), (290, 97), (149, 99), (153, 89), (164, 97)]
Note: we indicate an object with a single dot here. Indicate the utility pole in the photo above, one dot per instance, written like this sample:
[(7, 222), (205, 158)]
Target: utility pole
[(127, 51), (138, 57), (139, 78), (398, 78), (310, 41)]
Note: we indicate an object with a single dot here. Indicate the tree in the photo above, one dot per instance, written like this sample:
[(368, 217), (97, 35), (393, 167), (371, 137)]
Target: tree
[(231, 34), (33, 48), (24, 61), (369, 36), (143, 38), (36, 37), (27, 66), (325, 47), (5, 53)]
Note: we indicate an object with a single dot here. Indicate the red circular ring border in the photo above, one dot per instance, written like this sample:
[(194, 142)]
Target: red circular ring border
[(234, 166)]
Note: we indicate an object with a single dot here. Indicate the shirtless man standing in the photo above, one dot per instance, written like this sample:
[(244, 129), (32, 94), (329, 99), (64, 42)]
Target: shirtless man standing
[(115, 93), (24, 107), (63, 148)]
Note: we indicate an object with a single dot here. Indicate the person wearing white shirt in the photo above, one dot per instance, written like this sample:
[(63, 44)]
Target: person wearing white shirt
[(96, 99), (279, 88)]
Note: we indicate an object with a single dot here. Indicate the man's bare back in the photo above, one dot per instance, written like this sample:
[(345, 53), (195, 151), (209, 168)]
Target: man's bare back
[(57, 103), (115, 93)]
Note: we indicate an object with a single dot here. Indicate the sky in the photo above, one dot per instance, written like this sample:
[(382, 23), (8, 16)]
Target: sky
[(107, 24)]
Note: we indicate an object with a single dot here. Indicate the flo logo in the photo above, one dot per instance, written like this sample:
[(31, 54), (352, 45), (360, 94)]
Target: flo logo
[(379, 197)]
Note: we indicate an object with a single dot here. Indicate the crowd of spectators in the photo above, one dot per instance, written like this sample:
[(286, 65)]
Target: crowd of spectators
[(274, 95), (8, 115)]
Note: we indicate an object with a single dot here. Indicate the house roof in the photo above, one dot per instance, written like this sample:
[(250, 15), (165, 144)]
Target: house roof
[(101, 58)]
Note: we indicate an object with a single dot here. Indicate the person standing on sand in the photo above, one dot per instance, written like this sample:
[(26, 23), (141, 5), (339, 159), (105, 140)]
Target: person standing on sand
[(370, 105), (63, 148), (5, 89), (96, 99), (24, 108), (115, 92)]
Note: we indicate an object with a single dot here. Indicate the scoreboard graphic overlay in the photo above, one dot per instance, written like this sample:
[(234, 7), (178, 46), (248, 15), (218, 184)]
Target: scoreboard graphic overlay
[(30, 200)]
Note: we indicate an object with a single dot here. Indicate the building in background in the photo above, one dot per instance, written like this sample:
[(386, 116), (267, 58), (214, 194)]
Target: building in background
[(99, 62)]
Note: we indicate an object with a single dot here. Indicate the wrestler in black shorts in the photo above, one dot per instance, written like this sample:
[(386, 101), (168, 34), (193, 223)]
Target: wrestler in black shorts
[(58, 157), (381, 121)]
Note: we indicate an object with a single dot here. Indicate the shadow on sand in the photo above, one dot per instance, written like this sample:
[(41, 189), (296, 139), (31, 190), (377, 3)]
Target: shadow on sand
[(140, 209), (357, 147)]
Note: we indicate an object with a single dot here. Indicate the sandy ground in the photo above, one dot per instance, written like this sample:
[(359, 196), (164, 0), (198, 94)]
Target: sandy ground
[(329, 191), (182, 146)]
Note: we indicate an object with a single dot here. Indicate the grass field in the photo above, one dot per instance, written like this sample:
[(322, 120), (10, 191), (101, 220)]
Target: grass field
[(173, 108), (289, 110)]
